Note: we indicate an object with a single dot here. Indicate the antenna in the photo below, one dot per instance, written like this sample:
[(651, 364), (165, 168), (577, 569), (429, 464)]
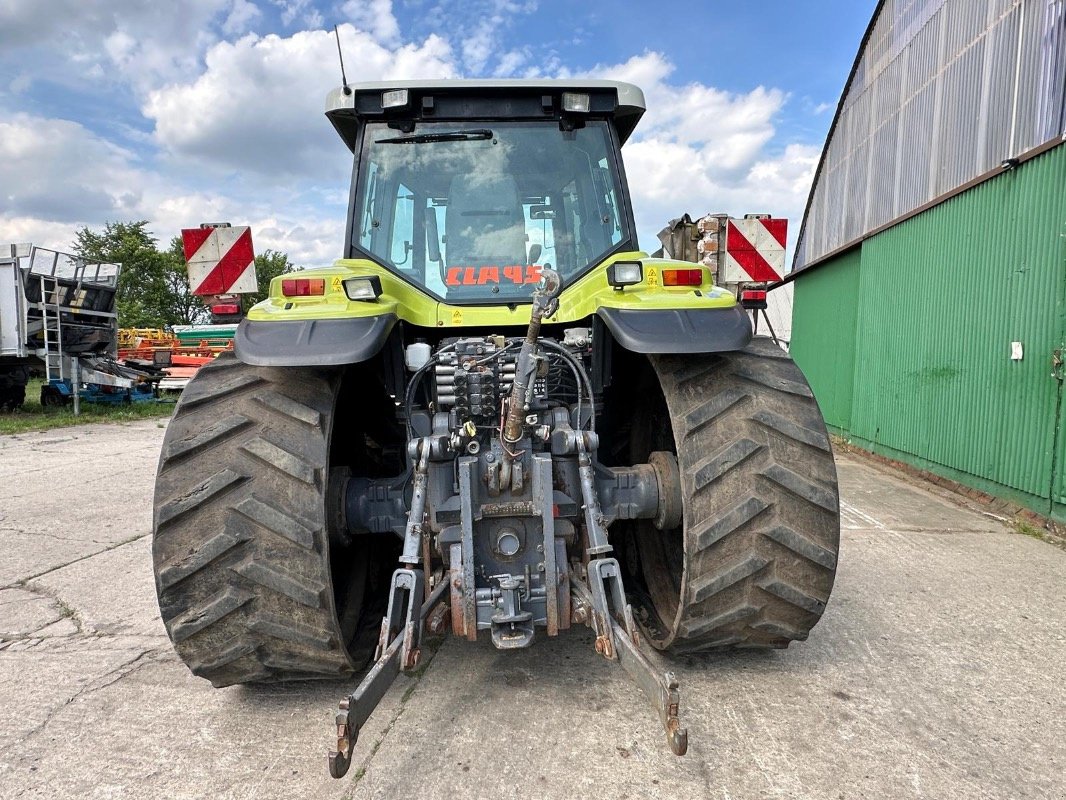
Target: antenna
[(340, 55)]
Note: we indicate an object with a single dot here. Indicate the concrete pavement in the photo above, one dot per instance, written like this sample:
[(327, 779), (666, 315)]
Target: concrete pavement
[(936, 672)]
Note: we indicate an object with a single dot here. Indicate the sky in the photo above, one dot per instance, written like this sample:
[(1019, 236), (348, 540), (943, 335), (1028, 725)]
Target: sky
[(190, 111)]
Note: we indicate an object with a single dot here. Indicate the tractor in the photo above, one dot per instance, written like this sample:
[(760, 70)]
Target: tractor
[(495, 415)]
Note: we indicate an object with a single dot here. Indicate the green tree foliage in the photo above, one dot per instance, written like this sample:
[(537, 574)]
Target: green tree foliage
[(153, 290), (268, 264)]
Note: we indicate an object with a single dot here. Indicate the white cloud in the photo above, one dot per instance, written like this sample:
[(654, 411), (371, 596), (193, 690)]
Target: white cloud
[(136, 42), (375, 17), (258, 106), (700, 149), (486, 22), (512, 61), (57, 170), (291, 10), (56, 176), (241, 16)]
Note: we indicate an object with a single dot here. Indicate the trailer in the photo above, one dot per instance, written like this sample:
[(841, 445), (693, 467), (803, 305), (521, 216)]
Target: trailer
[(57, 315)]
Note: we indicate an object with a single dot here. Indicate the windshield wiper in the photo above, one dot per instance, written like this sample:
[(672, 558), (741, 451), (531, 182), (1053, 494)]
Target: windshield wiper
[(443, 136)]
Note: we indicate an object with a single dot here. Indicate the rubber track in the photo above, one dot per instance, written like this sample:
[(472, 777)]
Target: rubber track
[(762, 519), (240, 546)]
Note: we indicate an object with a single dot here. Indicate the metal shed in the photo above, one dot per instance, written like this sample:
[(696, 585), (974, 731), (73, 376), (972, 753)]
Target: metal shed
[(930, 271)]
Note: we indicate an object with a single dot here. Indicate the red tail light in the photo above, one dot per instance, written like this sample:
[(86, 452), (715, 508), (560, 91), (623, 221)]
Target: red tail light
[(303, 287), (682, 277), (753, 298)]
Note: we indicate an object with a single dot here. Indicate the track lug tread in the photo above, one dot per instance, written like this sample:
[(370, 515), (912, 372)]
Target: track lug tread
[(303, 666), (212, 434), (691, 371), (276, 521), (694, 628), (280, 459), (728, 458), (781, 630), (224, 659), (289, 407), (802, 546), (179, 569), (279, 580), (801, 487), (707, 585), (713, 530), (750, 372), (291, 631), (788, 428), (193, 396), (793, 595), (216, 608), (706, 413), (208, 489)]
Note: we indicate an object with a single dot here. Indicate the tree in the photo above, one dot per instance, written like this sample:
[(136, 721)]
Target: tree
[(153, 290), (268, 264), (153, 286), (184, 305)]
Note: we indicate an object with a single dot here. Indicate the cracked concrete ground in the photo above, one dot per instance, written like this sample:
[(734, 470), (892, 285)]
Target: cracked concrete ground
[(936, 672)]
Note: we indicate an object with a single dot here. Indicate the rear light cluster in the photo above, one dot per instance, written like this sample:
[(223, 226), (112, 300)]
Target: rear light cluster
[(303, 287), (753, 298), (682, 277)]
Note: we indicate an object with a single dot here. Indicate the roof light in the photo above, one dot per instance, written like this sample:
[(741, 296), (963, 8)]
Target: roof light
[(394, 98), (366, 289), (303, 287), (682, 277), (625, 273), (576, 102)]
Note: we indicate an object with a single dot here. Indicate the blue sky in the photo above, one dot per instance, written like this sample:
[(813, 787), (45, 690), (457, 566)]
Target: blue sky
[(198, 110)]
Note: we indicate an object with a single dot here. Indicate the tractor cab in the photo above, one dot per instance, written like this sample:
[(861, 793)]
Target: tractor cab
[(468, 189)]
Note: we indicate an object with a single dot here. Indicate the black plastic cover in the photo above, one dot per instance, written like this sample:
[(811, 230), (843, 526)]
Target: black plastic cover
[(308, 343), (693, 330)]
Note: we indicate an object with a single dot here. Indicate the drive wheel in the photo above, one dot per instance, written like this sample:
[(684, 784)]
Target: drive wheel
[(12, 397), (252, 585), (51, 398), (754, 561)]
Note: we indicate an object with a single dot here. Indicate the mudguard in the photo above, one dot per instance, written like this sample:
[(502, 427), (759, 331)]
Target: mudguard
[(678, 330), (314, 342)]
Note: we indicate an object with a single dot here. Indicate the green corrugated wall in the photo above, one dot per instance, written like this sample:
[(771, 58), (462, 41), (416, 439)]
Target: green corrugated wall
[(919, 365), (824, 309)]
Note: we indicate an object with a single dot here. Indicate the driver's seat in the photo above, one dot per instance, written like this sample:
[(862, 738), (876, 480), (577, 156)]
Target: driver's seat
[(484, 222)]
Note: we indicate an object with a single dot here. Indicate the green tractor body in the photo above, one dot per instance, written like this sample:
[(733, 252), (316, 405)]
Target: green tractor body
[(494, 415)]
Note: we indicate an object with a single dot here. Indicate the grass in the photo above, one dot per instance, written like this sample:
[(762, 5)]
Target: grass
[(34, 417), (1025, 529)]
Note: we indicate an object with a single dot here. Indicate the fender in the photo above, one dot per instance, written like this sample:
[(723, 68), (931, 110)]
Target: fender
[(678, 330), (312, 342)]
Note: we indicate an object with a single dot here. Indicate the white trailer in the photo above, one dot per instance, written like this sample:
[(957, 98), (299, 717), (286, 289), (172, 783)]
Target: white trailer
[(57, 313)]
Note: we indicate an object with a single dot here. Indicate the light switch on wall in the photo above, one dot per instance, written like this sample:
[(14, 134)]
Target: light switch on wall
[(1016, 351)]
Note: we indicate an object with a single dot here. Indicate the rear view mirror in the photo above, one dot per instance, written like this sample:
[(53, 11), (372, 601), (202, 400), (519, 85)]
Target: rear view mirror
[(541, 212)]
